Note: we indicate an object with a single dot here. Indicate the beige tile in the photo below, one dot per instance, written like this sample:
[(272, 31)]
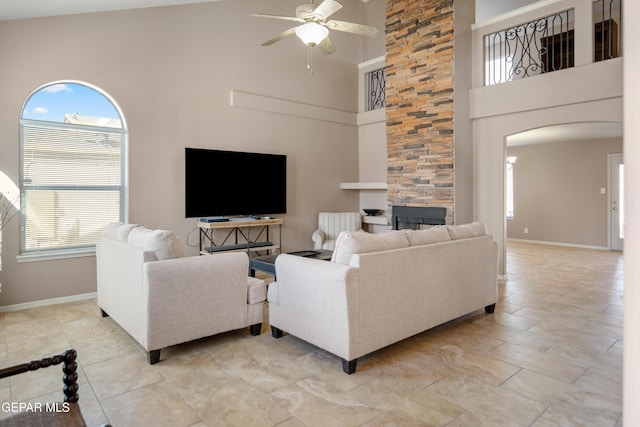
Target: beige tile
[(195, 373), (237, 403), (555, 418), (606, 380), (30, 327), (153, 405), (418, 368), (76, 310), (566, 398), (260, 365), (487, 369), (469, 419), (491, 402), (123, 374), (313, 404), (324, 367), (105, 346), (36, 347), (554, 367), (28, 315), (405, 403)]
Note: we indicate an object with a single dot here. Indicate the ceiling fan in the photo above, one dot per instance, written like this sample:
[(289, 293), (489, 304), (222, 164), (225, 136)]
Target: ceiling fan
[(314, 27)]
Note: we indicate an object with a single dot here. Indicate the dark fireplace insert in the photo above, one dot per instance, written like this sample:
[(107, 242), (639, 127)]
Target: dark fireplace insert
[(415, 217)]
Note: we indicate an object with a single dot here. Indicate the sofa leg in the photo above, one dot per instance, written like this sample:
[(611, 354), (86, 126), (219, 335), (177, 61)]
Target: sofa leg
[(275, 332), (104, 313), (153, 356), (349, 366), (490, 308), (255, 329)]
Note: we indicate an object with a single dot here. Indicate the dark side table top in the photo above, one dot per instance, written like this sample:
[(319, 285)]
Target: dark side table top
[(267, 263)]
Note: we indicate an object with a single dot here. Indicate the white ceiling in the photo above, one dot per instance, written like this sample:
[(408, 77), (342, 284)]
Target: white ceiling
[(567, 132), (20, 9)]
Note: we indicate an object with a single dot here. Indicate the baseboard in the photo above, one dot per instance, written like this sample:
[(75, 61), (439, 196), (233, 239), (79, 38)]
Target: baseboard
[(46, 302), (570, 245)]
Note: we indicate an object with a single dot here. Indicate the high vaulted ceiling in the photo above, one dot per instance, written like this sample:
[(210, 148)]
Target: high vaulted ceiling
[(20, 9)]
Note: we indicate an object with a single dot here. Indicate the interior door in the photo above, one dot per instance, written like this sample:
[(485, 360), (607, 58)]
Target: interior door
[(616, 202)]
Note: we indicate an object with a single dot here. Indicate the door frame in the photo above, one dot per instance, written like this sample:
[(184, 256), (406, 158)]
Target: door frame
[(612, 241)]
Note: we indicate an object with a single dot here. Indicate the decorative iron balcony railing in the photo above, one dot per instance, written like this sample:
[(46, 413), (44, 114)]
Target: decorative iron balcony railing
[(530, 49), (547, 44), (375, 82)]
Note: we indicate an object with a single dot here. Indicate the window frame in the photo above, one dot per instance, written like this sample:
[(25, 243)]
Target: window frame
[(510, 210), (83, 250)]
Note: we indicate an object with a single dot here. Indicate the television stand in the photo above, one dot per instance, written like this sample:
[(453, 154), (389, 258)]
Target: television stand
[(241, 234)]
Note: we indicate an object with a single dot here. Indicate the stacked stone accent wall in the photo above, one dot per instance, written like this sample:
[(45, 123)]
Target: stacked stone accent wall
[(419, 93)]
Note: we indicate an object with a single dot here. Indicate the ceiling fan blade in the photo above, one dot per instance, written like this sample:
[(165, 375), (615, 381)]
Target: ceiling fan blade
[(326, 47), (280, 36), (287, 18), (327, 8), (350, 27)]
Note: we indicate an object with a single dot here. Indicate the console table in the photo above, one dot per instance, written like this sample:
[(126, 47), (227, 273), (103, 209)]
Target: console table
[(249, 235)]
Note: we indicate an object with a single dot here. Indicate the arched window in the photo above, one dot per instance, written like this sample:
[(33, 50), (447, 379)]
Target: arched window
[(73, 168)]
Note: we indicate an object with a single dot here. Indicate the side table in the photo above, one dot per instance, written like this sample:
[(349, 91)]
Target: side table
[(267, 263)]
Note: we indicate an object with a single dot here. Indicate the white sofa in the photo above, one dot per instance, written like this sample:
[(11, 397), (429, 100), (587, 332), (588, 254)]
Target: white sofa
[(162, 298), (379, 289)]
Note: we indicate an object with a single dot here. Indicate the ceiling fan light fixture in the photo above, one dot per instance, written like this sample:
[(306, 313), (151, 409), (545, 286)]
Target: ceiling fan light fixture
[(311, 33)]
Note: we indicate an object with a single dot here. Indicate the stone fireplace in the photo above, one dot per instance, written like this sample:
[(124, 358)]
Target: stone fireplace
[(420, 104)]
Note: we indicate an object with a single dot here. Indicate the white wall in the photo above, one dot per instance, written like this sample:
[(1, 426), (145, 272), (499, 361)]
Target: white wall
[(486, 9), (558, 194)]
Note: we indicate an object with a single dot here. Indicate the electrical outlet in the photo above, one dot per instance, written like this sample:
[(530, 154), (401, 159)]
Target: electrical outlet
[(526, 230)]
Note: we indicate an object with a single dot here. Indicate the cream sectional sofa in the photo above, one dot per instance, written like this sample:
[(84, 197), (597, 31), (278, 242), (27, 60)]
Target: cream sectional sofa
[(379, 289), (162, 298)]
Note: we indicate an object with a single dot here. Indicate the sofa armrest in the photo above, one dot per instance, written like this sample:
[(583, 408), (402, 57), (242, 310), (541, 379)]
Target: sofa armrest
[(316, 301), (214, 287), (318, 239)]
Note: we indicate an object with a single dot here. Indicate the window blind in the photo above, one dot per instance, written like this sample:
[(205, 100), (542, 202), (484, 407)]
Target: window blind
[(71, 184)]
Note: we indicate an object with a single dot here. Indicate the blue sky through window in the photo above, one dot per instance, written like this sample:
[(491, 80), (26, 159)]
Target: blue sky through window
[(52, 102)]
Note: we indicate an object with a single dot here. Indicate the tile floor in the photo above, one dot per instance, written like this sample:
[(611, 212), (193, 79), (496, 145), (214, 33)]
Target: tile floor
[(551, 355)]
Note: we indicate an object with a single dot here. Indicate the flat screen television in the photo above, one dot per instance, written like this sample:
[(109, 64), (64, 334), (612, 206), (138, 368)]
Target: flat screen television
[(234, 183)]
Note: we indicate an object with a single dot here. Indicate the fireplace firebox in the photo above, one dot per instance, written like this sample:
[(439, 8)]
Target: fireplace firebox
[(416, 217)]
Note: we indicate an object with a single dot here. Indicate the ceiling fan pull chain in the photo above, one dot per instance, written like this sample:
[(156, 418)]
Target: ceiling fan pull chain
[(309, 60)]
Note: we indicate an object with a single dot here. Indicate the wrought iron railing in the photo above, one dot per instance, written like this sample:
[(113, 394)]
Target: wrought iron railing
[(375, 89), (530, 49), (607, 14), (547, 44)]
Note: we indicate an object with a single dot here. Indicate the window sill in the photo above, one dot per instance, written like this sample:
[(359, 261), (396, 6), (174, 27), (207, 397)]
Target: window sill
[(53, 255)]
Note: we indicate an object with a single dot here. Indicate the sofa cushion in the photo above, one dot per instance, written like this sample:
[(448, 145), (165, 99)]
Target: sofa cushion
[(120, 230), (466, 231), (163, 243), (428, 236), (358, 242)]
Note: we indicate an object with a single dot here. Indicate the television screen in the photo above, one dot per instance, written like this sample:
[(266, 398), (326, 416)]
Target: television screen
[(230, 183)]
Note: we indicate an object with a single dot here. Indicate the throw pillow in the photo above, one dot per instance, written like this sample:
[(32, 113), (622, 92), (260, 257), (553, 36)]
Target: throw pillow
[(120, 230), (358, 242), (163, 243), (466, 231), (427, 236)]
